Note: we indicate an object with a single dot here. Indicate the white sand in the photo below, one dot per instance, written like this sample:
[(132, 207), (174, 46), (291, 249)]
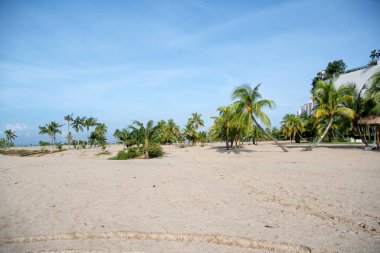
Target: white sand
[(255, 199)]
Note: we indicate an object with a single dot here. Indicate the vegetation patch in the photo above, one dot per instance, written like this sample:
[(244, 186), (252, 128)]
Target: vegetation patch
[(104, 153)]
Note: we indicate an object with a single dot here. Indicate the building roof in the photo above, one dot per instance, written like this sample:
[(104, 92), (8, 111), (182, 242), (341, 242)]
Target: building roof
[(371, 120), (359, 77)]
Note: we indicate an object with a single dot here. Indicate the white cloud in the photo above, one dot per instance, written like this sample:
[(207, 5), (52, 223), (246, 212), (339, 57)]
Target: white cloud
[(16, 126)]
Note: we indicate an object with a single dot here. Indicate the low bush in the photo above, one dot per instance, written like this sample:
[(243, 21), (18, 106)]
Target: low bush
[(131, 153), (44, 143), (59, 146), (155, 151)]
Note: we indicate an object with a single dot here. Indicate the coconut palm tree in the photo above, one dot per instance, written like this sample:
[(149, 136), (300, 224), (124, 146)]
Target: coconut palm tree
[(373, 96), (51, 129), (172, 130), (223, 124), (196, 120), (10, 135), (202, 137), (373, 93), (69, 118), (124, 136), (190, 132), (375, 54), (78, 124), (250, 104), (292, 125), (330, 104), (89, 122), (98, 136), (146, 135)]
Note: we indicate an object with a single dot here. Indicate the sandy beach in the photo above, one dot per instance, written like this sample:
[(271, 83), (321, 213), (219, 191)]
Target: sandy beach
[(194, 199)]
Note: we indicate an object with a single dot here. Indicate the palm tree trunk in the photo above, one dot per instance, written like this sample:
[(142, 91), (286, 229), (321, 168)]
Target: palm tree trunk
[(311, 147), (78, 140), (378, 137), (68, 131), (269, 135), (227, 138), (357, 130)]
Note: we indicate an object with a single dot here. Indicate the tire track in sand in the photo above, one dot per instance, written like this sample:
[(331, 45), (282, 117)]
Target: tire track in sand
[(301, 205), (216, 239)]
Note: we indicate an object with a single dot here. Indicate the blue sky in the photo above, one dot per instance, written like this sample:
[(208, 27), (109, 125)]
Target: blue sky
[(124, 60)]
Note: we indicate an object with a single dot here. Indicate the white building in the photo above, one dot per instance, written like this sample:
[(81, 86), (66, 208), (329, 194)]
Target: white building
[(360, 77)]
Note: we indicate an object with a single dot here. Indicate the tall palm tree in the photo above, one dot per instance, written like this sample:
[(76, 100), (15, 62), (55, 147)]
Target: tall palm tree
[(69, 118), (373, 93), (373, 96), (51, 129), (330, 104), (98, 136), (78, 124), (89, 122), (202, 137), (173, 130), (146, 135), (190, 132), (10, 135), (249, 102), (223, 123), (124, 136), (196, 120)]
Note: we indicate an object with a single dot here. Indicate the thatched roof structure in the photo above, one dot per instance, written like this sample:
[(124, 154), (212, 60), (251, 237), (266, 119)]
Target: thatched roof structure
[(371, 120)]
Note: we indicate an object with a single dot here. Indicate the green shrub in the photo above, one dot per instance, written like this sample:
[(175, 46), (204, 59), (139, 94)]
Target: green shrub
[(131, 153), (155, 150), (44, 143), (59, 146)]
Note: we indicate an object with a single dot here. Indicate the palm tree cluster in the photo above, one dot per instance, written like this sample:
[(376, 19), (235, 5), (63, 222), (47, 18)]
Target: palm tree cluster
[(7, 142), (148, 138), (239, 121), (336, 115), (96, 138), (193, 124), (292, 127)]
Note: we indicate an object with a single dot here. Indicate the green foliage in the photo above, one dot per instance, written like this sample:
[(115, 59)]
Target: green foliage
[(51, 129), (98, 136), (10, 135), (375, 55), (155, 150), (202, 137), (168, 132), (373, 95), (124, 137), (59, 146), (331, 106), (292, 126), (131, 153), (4, 144), (334, 68), (249, 106), (44, 143), (145, 135)]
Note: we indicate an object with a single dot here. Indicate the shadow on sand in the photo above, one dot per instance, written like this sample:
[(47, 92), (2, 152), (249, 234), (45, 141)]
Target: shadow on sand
[(332, 146), (234, 150)]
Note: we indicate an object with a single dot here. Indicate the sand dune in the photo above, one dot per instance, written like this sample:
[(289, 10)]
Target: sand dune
[(195, 199)]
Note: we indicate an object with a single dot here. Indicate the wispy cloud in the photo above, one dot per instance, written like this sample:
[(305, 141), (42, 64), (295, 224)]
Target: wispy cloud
[(17, 126)]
